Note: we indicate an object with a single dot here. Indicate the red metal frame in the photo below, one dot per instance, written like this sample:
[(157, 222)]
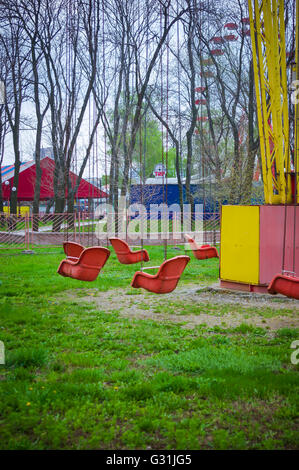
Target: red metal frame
[(231, 26), (217, 52), (217, 40), (231, 37)]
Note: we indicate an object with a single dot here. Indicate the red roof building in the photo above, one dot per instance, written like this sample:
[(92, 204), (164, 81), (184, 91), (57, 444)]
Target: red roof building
[(27, 178)]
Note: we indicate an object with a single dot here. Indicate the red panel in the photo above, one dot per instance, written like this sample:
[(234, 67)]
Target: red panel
[(234, 285), (272, 241)]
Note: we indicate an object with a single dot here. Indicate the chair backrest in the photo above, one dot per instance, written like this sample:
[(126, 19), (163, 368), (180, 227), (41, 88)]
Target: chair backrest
[(120, 246), (95, 257), (73, 249), (193, 244), (173, 268)]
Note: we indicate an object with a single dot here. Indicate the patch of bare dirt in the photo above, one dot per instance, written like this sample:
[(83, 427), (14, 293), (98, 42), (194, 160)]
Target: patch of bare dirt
[(143, 305)]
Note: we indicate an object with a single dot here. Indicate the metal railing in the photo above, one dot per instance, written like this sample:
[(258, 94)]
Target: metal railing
[(90, 229), (14, 231)]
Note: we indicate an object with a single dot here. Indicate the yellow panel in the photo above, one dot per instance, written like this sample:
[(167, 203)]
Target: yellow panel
[(240, 244), (24, 210)]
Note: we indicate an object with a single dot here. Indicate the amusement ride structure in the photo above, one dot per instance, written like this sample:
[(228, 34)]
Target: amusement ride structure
[(260, 244)]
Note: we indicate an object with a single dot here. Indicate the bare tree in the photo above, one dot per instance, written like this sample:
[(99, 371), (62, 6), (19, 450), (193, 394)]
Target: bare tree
[(232, 90), (139, 34), (71, 65), (3, 133), (34, 17), (15, 73)]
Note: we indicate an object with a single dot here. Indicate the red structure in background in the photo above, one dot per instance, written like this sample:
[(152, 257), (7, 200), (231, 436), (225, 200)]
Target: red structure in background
[(231, 26), (217, 40), (200, 101), (231, 37), (217, 52), (27, 179)]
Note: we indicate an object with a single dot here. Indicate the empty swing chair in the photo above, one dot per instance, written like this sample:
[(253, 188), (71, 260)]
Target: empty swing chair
[(165, 280), (203, 251), (87, 266), (125, 255), (285, 284)]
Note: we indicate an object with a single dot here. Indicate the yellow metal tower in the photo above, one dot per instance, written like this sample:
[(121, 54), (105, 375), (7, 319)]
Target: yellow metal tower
[(258, 242), (269, 61)]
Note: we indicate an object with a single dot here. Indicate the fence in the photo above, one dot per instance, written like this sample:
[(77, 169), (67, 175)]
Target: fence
[(14, 231), (90, 229)]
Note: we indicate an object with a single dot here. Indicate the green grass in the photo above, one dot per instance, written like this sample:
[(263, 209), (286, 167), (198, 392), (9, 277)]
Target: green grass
[(79, 376)]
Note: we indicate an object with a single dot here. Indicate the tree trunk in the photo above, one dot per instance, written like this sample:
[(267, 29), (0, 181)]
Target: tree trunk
[(178, 174), (37, 186), (1, 195), (49, 205), (14, 194), (2, 217)]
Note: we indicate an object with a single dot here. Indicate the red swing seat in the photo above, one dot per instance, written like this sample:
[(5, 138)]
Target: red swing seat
[(203, 251), (87, 266), (285, 285), (165, 280), (72, 250), (125, 255)]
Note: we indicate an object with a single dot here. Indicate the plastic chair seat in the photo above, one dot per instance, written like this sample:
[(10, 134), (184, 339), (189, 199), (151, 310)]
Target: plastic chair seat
[(165, 280), (125, 255), (203, 251), (72, 250), (285, 285), (87, 266)]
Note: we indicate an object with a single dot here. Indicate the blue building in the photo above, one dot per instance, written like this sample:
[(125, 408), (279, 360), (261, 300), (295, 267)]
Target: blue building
[(155, 192)]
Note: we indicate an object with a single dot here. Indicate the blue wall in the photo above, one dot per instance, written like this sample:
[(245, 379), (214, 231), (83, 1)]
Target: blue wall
[(153, 194)]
